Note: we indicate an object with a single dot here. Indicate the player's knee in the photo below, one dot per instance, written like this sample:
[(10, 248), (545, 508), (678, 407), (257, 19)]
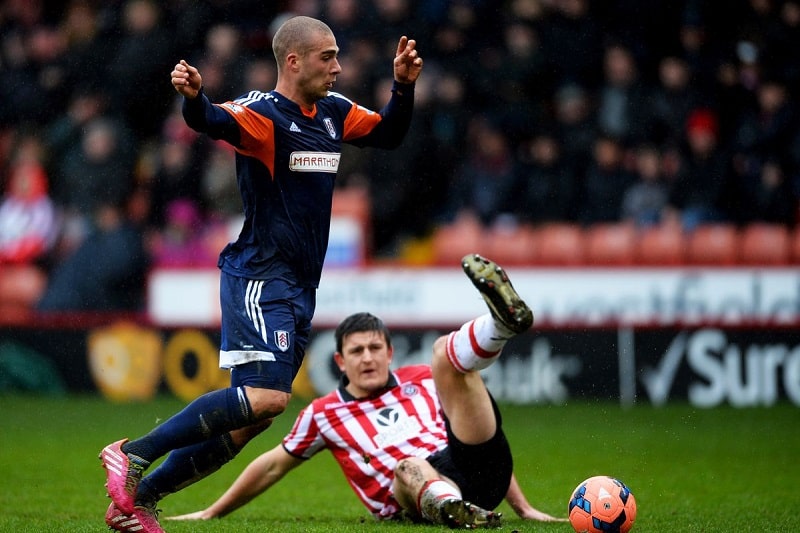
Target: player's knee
[(266, 403), (408, 468), (440, 349)]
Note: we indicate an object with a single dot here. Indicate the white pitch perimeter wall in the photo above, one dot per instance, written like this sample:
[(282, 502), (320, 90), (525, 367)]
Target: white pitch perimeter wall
[(559, 297)]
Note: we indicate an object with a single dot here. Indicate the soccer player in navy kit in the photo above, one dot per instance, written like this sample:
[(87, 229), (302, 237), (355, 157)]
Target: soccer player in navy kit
[(287, 143)]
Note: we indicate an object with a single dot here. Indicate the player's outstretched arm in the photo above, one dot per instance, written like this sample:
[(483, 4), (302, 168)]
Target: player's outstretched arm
[(407, 62), (263, 472), (517, 500)]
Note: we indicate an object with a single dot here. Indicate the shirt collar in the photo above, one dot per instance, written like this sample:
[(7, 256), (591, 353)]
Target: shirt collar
[(346, 396)]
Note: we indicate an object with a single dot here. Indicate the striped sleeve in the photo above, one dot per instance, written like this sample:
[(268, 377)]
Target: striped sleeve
[(305, 439)]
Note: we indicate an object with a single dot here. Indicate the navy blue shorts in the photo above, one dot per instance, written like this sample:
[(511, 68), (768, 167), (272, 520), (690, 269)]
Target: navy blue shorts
[(481, 471), (264, 331)]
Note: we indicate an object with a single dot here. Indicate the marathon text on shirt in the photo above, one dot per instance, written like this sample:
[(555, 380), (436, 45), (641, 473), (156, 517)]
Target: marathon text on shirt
[(314, 162)]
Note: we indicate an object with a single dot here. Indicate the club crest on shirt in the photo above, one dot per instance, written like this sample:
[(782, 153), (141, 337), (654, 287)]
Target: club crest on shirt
[(330, 127), (282, 340), (410, 390)]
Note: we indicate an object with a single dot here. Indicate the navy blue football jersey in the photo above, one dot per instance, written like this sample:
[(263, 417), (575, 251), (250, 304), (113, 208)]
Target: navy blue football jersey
[(286, 164)]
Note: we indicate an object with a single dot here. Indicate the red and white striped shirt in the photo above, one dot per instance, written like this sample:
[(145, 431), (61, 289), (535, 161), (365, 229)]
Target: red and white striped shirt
[(369, 436)]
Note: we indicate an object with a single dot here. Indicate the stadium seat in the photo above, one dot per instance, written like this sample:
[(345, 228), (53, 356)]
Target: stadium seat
[(453, 241), (664, 244), (511, 245), (353, 202), (560, 244), (21, 286), (713, 244), (764, 244), (610, 244)]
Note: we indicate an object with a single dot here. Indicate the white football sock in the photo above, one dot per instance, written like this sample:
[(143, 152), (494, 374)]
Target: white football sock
[(432, 495), (477, 344)]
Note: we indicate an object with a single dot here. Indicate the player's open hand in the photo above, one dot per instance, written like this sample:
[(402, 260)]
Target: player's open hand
[(186, 79), (539, 516), (197, 515), (407, 63)]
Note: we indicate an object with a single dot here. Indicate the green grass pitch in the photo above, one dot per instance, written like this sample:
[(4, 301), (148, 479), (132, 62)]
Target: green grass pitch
[(692, 470)]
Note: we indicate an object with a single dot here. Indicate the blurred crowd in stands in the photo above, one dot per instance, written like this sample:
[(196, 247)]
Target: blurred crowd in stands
[(528, 112)]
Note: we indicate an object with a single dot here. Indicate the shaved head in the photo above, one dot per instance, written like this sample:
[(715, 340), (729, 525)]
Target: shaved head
[(297, 35)]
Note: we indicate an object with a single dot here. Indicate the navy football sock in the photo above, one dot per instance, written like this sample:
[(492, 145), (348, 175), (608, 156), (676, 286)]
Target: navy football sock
[(185, 466), (209, 415)]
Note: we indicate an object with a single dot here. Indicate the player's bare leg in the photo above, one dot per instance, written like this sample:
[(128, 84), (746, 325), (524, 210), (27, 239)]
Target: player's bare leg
[(427, 495), (459, 356), (457, 361)]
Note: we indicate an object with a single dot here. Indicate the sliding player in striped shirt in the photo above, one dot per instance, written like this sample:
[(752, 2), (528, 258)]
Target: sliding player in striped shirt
[(422, 442)]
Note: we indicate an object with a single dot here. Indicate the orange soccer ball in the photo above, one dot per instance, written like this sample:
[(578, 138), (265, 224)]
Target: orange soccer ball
[(602, 504)]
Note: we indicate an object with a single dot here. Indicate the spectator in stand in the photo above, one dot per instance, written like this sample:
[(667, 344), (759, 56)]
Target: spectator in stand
[(449, 116), (572, 41), (770, 127), (344, 18), (405, 185), (622, 96), (547, 182), (143, 53), (652, 34), (390, 18), (180, 158), (605, 182), (696, 44), (782, 43), (445, 120), (181, 242), (520, 81), (88, 43), (63, 134), (223, 62), (575, 125), (645, 199), (700, 193), (33, 77), (731, 99), (452, 52), (671, 101), (768, 196), (96, 169), (760, 21), (46, 48), (28, 218), (484, 185), (105, 273), (764, 135)]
